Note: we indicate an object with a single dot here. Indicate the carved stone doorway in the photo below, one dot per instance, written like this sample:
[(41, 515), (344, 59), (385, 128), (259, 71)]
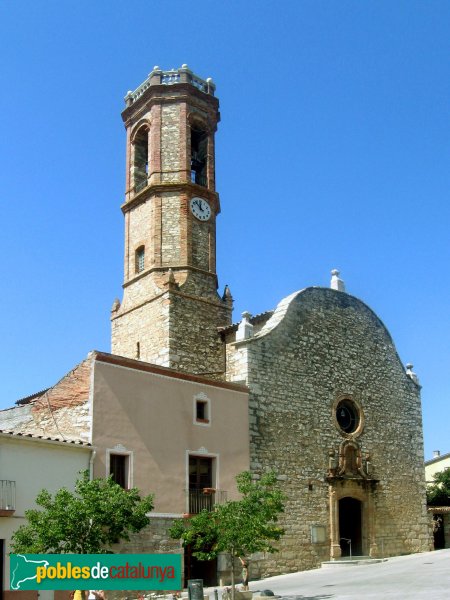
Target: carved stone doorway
[(352, 517), (350, 526)]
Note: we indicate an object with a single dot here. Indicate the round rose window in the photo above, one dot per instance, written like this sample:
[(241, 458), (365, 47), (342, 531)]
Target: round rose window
[(347, 416)]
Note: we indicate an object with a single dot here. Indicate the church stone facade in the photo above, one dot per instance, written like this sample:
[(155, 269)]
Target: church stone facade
[(332, 409), (334, 412)]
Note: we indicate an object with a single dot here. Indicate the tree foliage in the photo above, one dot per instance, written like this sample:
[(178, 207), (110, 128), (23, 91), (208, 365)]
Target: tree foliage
[(438, 493), (88, 521), (238, 527)]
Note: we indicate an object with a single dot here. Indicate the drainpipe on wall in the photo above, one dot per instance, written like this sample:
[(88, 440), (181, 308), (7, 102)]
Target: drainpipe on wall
[(91, 465)]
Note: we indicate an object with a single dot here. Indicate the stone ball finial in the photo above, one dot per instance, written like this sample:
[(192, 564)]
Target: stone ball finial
[(209, 80), (335, 272), (156, 68), (184, 66)]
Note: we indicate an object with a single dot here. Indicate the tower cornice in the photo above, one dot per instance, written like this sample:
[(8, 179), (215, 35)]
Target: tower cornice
[(187, 187), (175, 269), (181, 93)]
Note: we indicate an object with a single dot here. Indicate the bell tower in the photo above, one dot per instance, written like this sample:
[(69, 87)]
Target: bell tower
[(171, 311)]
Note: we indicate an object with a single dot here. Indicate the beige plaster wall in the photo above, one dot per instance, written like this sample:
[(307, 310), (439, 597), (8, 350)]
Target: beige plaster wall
[(152, 417)]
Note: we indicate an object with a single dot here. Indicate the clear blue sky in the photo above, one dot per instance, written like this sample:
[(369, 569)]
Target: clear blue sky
[(333, 151)]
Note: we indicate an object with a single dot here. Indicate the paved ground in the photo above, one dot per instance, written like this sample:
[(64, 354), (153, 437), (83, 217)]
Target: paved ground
[(418, 576)]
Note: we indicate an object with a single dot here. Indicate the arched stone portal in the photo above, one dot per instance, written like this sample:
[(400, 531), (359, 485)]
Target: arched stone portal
[(350, 526), (351, 501)]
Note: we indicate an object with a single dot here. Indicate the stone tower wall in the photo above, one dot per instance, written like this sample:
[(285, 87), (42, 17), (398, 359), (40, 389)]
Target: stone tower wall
[(170, 312), (319, 346), (132, 329), (195, 323), (167, 329), (171, 142)]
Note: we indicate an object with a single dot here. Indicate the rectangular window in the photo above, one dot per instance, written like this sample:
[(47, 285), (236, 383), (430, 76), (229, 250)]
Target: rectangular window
[(200, 473), (140, 259), (202, 410), (118, 468)]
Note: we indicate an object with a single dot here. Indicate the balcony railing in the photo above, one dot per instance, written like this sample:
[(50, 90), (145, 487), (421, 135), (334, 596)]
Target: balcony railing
[(205, 499), (7, 497), (174, 76)]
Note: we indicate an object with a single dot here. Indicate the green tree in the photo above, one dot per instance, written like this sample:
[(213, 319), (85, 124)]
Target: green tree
[(238, 527), (438, 493), (88, 521)]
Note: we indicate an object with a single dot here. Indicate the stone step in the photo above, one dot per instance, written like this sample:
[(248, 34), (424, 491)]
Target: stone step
[(354, 560)]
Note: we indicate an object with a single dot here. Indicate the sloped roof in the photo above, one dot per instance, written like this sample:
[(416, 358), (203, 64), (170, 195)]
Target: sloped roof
[(44, 438)]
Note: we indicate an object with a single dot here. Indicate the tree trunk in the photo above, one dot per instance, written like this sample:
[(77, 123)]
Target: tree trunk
[(232, 576)]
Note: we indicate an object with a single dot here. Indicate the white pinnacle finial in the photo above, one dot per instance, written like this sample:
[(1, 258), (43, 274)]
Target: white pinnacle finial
[(411, 374), (336, 282), (245, 328)]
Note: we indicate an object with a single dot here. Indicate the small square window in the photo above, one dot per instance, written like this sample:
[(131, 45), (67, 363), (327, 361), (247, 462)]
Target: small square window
[(201, 411)]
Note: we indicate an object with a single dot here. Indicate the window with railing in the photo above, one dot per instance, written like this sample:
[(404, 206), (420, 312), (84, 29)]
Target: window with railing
[(7, 495), (200, 479), (205, 499), (202, 495)]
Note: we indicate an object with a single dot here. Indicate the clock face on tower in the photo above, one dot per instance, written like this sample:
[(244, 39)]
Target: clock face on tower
[(200, 209)]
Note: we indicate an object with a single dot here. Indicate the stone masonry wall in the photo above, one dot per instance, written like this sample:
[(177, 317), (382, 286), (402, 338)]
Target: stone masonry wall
[(170, 230), (201, 235), (320, 346), (177, 328), (60, 412), (196, 343), (140, 223), (148, 325), (170, 142), (152, 539)]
